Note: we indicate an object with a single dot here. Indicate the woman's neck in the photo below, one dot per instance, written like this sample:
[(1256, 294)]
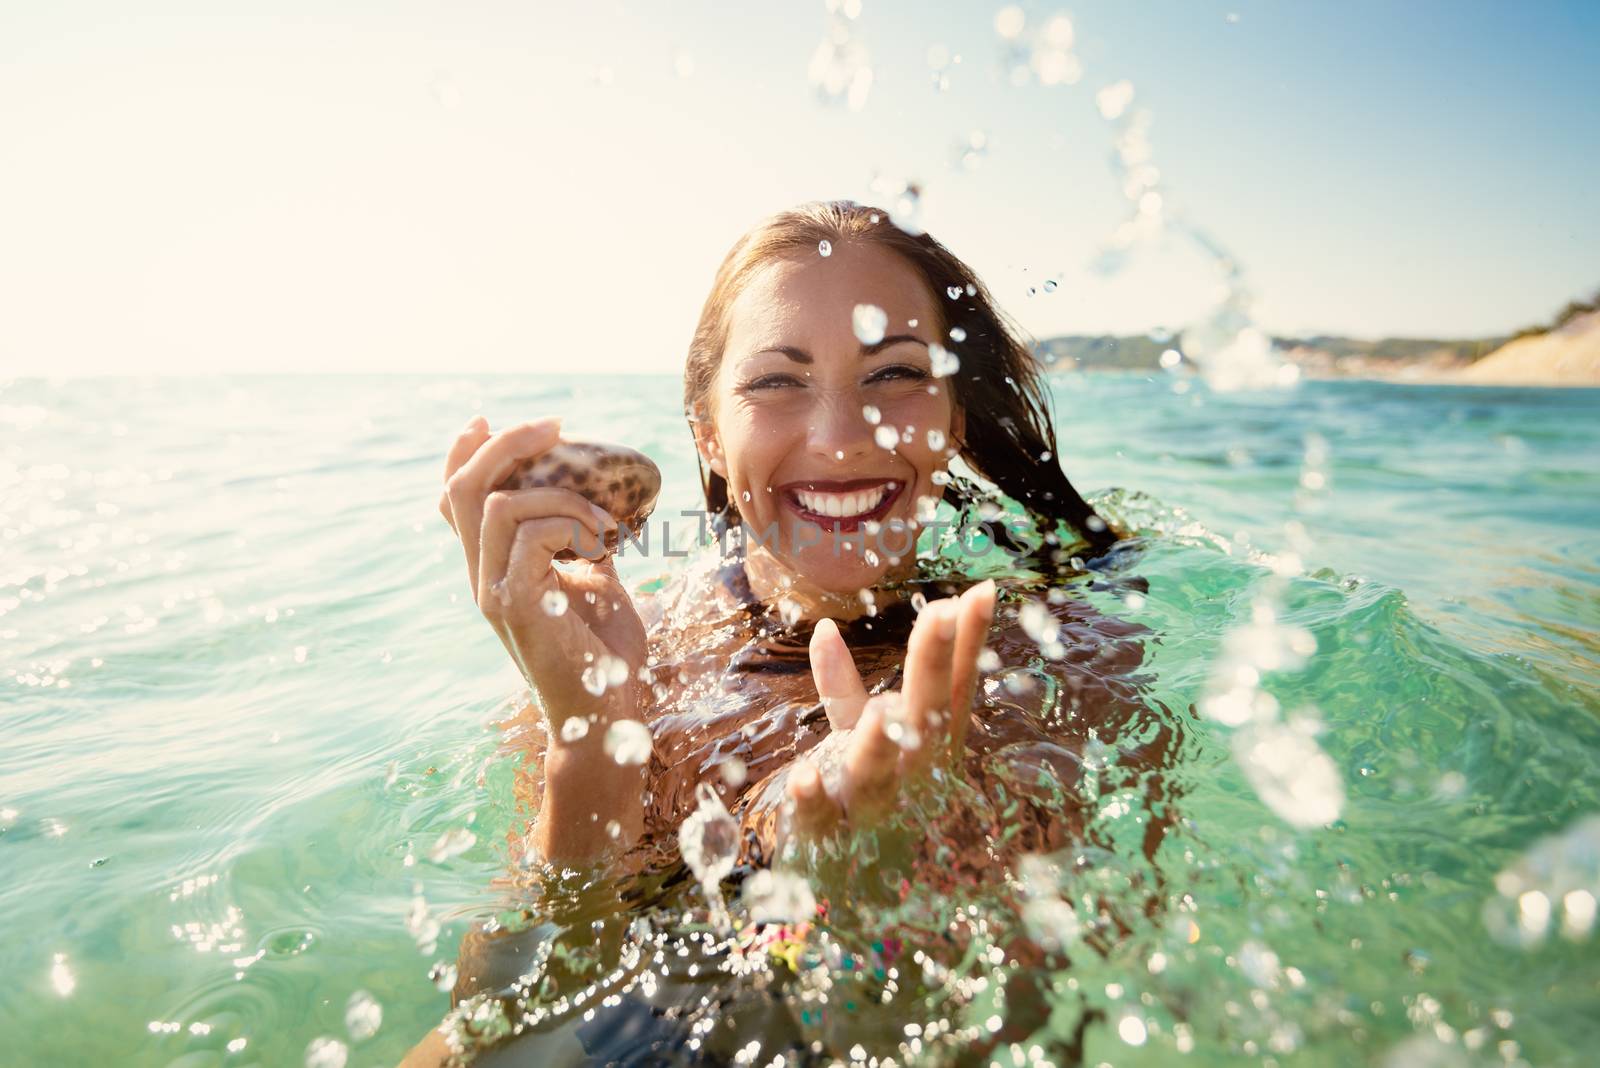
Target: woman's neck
[(774, 583)]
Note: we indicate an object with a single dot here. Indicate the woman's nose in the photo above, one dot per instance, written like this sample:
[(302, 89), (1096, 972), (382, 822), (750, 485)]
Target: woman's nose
[(838, 427)]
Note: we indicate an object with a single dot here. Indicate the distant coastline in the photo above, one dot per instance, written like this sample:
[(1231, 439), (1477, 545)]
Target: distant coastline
[(1564, 353)]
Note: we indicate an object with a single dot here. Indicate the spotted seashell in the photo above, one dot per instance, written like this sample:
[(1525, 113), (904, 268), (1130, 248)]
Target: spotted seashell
[(623, 481)]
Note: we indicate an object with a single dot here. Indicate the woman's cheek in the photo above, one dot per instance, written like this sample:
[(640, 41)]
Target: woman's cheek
[(922, 413)]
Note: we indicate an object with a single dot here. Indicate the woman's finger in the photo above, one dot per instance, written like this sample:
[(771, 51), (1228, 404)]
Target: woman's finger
[(834, 671), (566, 520), (926, 694), (474, 434), (872, 764), (484, 469), (974, 616), (816, 815)]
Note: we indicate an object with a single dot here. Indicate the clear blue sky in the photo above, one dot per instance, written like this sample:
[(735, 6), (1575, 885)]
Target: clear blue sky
[(515, 186)]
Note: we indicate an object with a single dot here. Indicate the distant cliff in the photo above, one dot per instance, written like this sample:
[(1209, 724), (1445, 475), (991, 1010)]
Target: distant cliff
[(1318, 357), (1568, 355), (1564, 353)]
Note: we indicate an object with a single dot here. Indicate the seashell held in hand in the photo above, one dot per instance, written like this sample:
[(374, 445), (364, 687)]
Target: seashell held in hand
[(623, 481)]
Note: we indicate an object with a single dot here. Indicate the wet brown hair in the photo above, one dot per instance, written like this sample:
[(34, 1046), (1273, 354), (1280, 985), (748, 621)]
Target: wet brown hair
[(998, 384)]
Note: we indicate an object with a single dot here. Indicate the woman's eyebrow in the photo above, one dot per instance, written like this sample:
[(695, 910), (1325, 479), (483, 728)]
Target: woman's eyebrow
[(893, 339), (799, 355)]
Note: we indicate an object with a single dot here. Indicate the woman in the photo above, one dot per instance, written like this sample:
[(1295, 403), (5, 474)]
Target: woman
[(839, 367)]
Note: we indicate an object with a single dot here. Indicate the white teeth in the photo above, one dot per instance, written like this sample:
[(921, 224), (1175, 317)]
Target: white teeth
[(842, 505)]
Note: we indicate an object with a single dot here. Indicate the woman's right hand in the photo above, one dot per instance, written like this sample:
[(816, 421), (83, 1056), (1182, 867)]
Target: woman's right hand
[(511, 539)]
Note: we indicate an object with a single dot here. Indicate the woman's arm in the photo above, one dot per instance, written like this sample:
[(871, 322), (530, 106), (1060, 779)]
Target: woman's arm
[(573, 631)]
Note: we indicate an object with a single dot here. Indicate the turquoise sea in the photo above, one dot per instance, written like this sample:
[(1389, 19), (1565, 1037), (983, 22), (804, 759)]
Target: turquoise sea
[(248, 758)]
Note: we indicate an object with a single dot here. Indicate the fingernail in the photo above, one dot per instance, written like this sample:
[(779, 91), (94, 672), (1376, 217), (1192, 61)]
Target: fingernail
[(947, 621)]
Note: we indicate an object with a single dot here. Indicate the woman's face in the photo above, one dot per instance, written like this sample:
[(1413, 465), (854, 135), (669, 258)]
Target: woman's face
[(802, 407)]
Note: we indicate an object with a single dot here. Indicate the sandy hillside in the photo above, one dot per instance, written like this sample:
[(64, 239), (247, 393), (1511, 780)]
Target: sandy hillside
[(1567, 356)]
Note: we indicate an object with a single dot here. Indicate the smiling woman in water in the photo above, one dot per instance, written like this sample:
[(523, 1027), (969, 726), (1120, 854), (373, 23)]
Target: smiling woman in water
[(839, 368)]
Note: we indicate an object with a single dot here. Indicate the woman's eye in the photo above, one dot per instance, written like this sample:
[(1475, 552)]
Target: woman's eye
[(772, 382), (898, 371)]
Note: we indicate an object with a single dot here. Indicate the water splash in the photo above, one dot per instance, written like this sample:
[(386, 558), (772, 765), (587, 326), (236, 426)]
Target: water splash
[(840, 71), (709, 842), (1223, 345)]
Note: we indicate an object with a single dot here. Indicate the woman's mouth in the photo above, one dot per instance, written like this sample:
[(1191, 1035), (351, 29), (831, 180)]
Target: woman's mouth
[(845, 505)]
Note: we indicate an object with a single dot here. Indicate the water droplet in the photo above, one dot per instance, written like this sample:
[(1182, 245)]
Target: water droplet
[(1049, 285), (778, 897), (442, 975), (936, 440), (886, 436), (988, 661), (1008, 21), (956, 333), (422, 926), (1038, 623), (871, 415), (945, 362), (899, 729), (840, 70), (61, 977), (616, 670), (970, 154), (628, 742), (870, 322), (1290, 773), (1132, 1030), (953, 292), (1114, 99), (613, 829), (594, 680), (326, 1053), (734, 772), (574, 728), (709, 839), (554, 602), (362, 1016)]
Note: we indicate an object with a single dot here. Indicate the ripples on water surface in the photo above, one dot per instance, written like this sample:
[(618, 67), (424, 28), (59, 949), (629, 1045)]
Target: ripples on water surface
[(249, 762)]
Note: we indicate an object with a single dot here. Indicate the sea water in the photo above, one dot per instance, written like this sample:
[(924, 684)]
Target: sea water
[(252, 796)]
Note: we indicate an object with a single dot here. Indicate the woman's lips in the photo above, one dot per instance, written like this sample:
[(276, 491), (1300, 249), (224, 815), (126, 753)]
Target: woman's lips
[(846, 523)]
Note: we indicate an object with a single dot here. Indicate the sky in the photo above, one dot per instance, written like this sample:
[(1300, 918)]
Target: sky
[(531, 187)]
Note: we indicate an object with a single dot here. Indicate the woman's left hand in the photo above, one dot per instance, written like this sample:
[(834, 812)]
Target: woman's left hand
[(899, 738)]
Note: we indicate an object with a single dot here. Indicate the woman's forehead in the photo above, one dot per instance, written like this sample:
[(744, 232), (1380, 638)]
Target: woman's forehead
[(818, 295)]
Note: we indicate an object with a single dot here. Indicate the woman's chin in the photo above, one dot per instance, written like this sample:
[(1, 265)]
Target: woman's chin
[(845, 575)]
